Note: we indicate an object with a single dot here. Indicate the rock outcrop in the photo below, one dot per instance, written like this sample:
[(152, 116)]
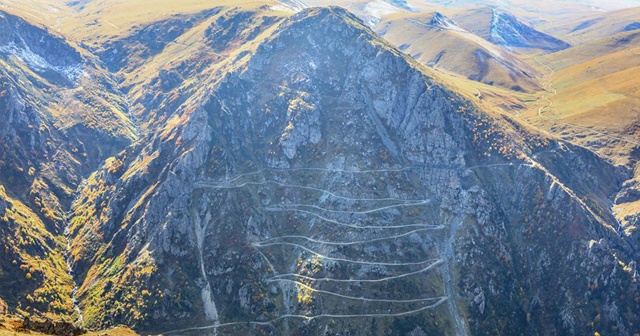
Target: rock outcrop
[(50, 327)]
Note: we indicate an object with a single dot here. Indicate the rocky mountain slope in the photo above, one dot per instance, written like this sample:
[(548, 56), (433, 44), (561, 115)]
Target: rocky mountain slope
[(261, 172)]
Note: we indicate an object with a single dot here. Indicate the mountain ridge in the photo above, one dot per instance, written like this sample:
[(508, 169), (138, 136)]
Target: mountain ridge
[(299, 174)]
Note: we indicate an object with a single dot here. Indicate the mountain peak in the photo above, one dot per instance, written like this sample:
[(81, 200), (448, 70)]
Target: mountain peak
[(322, 12), (440, 20), (507, 30)]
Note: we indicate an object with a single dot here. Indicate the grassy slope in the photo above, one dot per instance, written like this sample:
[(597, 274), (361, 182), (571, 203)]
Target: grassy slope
[(597, 88), (595, 26), (601, 93), (461, 52), (10, 326), (32, 262), (101, 20)]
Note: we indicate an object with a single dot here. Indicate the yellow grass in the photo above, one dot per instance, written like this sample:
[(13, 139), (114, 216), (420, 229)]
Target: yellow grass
[(102, 20), (608, 23), (459, 51), (603, 92), (10, 326)]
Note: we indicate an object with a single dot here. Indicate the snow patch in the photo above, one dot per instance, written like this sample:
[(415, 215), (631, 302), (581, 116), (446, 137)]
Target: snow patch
[(293, 5), (37, 62), (374, 11), (403, 4), (445, 23)]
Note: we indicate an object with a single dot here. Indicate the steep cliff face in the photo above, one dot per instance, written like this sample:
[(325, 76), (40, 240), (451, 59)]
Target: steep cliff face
[(326, 183)]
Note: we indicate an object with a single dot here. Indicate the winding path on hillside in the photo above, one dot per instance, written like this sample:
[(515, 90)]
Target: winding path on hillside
[(324, 191), (434, 263), (345, 260), (548, 86), (359, 298), (289, 282), (324, 242), (406, 267), (305, 317)]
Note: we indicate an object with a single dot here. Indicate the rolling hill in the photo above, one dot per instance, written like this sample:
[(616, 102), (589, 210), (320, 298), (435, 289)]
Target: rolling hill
[(439, 42), (597, 25)]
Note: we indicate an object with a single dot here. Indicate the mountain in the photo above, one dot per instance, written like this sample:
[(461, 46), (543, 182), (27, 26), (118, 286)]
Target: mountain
[(506, 30), (437, 41), (224, 221), (260, 171)]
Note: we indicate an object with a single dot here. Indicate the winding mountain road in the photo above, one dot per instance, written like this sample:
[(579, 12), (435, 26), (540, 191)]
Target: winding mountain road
[(324, 191), (436, 262), (307, 287), (404, 205), (353, 226), (323, 242), (305, 317), (352, 261)]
